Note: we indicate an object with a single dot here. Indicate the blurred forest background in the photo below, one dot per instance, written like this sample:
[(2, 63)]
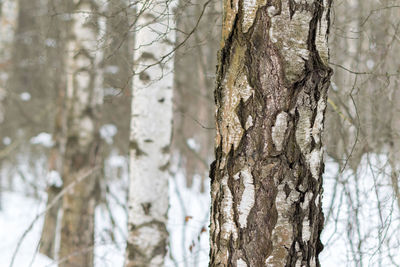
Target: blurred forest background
[(37, 117)]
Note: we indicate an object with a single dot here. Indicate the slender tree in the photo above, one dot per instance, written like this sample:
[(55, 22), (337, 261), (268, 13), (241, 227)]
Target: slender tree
[(150, 139), (271, 95), (84, 96)]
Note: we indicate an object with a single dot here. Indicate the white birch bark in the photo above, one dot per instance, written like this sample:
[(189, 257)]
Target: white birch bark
[(84, 96), (150, 138)]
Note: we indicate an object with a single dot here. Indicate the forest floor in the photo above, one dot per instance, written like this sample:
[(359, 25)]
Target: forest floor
[(357, 206)]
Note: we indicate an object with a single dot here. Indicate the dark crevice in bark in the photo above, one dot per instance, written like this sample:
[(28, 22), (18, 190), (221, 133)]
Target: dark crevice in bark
[(136, 255), (224, 59), (270, 168)]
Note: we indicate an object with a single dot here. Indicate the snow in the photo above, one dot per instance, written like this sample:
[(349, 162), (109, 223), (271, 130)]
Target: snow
[(6, 140), (18, 212), (370, 64), (54, 178), (111, 69), (50, 42), (191, 142), (25, 96), (107, 132), (111, 217), (189, 218), (116, 160), (44, 139), (241, 263), (334, 87), (363, 209)]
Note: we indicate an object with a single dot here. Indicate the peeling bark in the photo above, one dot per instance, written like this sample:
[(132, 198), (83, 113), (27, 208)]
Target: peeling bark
[(151, 125), (271, 94)]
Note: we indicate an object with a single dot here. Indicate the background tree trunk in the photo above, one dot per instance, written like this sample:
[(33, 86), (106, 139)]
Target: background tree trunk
[(8, 25), (118, 72), (84, 95), (151, 125), (194, 78), (57, 153), (55, 54), (271, 96)]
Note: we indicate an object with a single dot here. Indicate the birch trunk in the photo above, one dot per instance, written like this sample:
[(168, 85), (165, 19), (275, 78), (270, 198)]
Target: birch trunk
[(150, 135), (84, 96), (271, 94)]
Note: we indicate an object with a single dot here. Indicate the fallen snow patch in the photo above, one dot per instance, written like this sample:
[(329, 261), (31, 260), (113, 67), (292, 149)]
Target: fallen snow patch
[(44, 139)]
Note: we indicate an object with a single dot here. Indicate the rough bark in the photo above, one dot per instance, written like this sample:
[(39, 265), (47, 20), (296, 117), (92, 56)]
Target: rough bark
[(271, 94), (84, 96), (150, 135)]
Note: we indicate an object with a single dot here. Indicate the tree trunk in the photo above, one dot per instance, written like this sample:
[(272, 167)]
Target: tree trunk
[(49, 232), (57, 153), (271, 94), (84, 96), (150, 135), (55, 55), (117, 66), (193, 87)]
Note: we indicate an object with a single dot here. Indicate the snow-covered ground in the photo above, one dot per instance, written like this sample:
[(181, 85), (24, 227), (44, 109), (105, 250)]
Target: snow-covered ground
[(188, 220), (17, 213), (362, 225)]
